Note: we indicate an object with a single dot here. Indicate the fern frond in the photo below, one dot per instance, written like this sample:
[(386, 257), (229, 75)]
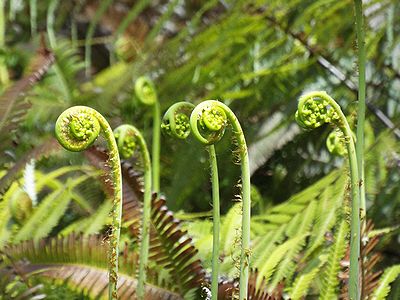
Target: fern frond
[(44, 150), (81, 262), (264, 246), (230, 229), (47, 214), (91, 224), (336, 253), (268, 268), (287, 266), (13, 104), (302, 283), (329, 201), (387, 278)]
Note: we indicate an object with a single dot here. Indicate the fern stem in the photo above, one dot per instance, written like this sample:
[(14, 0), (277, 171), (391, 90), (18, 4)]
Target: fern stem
[(76, 129), (208, 121), (156, 146), (216, 221), (176, 123), (361, 105), (314, 110), (130, 140), (90, 33), (146, 92), (33, 16)]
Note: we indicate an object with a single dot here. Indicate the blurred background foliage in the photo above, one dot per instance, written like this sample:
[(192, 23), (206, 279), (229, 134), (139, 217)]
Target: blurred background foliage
[(256, 56)]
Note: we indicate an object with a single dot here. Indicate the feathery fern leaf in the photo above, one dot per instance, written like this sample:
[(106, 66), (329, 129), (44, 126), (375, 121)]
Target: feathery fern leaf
[(287, 266), (268, 268), (336, 252), (387, 278), (46, 216), (302, 283), (11, 106)]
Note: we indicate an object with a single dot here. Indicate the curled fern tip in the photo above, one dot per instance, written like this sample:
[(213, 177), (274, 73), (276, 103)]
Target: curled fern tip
[(176, 120), (77, 128), (126, 139)]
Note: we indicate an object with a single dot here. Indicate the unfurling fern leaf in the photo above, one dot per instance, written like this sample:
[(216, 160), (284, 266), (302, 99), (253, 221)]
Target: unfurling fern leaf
[(336, 253)]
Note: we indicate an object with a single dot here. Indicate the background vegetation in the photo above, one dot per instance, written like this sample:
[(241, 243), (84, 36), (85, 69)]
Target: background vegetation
[(257, 57)]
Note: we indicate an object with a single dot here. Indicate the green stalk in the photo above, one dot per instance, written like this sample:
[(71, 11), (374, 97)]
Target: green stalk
[(76, 129), (216, 221), (156, 146), (33, 16), (177, 124), (146, 92), (361, 106), (208, 121), (129, 139), (314, 110)]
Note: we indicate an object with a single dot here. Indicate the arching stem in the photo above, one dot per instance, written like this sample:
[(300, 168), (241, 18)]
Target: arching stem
[(212, 107), (76, 129), (312, 115), (156, 147), (216, 221), (130, 140), (361, 106), (144, 246)]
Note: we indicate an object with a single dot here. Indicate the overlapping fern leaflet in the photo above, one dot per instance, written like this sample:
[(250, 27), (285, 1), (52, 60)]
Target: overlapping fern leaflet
[(81, 262)]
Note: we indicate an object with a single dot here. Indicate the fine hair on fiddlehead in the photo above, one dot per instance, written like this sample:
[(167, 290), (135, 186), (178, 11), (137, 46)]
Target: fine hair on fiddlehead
[(76, 129), (208, 121), (176, 123), (314, 110), (130, 141)]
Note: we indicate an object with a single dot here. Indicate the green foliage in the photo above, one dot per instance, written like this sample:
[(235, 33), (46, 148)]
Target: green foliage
[(255, 57), (387, 278)]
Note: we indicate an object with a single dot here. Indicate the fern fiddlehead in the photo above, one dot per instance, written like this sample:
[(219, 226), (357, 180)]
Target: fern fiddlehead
[(146, 92), (129, 141), (314, 110), (208, 122), (335, 143), (76, 129), (176, 123)]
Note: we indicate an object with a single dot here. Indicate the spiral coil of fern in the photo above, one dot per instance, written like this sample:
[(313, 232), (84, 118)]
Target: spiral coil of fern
[(314, 110), (76, 129), (208, 122), (146, 92), (176, 123), (335, 144), (129, 141)]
